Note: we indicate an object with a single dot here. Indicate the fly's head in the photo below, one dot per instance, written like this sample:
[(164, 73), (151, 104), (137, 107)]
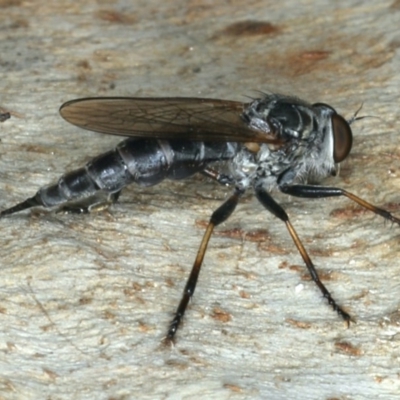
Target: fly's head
[(336, 131), (310, 139), (331, 138)]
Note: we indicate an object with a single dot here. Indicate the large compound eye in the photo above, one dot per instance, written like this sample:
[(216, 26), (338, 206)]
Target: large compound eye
[(342, 138)]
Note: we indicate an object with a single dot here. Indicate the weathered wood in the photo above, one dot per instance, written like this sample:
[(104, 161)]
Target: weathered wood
[(86, 300)]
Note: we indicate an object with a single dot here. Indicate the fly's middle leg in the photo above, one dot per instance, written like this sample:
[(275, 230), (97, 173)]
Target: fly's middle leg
[(271, 205), (220, 215)]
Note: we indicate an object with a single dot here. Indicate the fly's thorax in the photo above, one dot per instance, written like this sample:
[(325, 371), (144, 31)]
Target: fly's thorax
[(306, 154), (284, 116), (267, 164), (244, 166), (303, 141), (311, 158)]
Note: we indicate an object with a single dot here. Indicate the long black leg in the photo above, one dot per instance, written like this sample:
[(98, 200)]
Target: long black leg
[(270, 204), (315, 192), (220, 215)]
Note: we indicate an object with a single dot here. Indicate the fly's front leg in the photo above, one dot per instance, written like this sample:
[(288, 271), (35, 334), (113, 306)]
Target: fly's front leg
[(220, 215), (315, 192), (270, 204)]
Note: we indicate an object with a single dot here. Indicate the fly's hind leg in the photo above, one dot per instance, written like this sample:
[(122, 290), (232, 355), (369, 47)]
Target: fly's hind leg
[(99, 202)]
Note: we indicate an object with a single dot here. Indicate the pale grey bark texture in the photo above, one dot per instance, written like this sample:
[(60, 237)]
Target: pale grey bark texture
[(86, 300)]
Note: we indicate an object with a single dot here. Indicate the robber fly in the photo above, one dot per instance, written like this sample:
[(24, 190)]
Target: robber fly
[(274, 142)]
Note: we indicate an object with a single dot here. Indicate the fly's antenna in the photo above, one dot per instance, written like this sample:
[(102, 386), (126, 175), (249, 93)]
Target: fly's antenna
[(259, 93), (355, 117)]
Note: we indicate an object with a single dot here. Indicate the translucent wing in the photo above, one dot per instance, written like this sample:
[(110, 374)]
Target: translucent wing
[(165, 118)]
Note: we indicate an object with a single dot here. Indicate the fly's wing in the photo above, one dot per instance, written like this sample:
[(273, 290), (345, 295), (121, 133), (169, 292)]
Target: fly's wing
[(165, 118)]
